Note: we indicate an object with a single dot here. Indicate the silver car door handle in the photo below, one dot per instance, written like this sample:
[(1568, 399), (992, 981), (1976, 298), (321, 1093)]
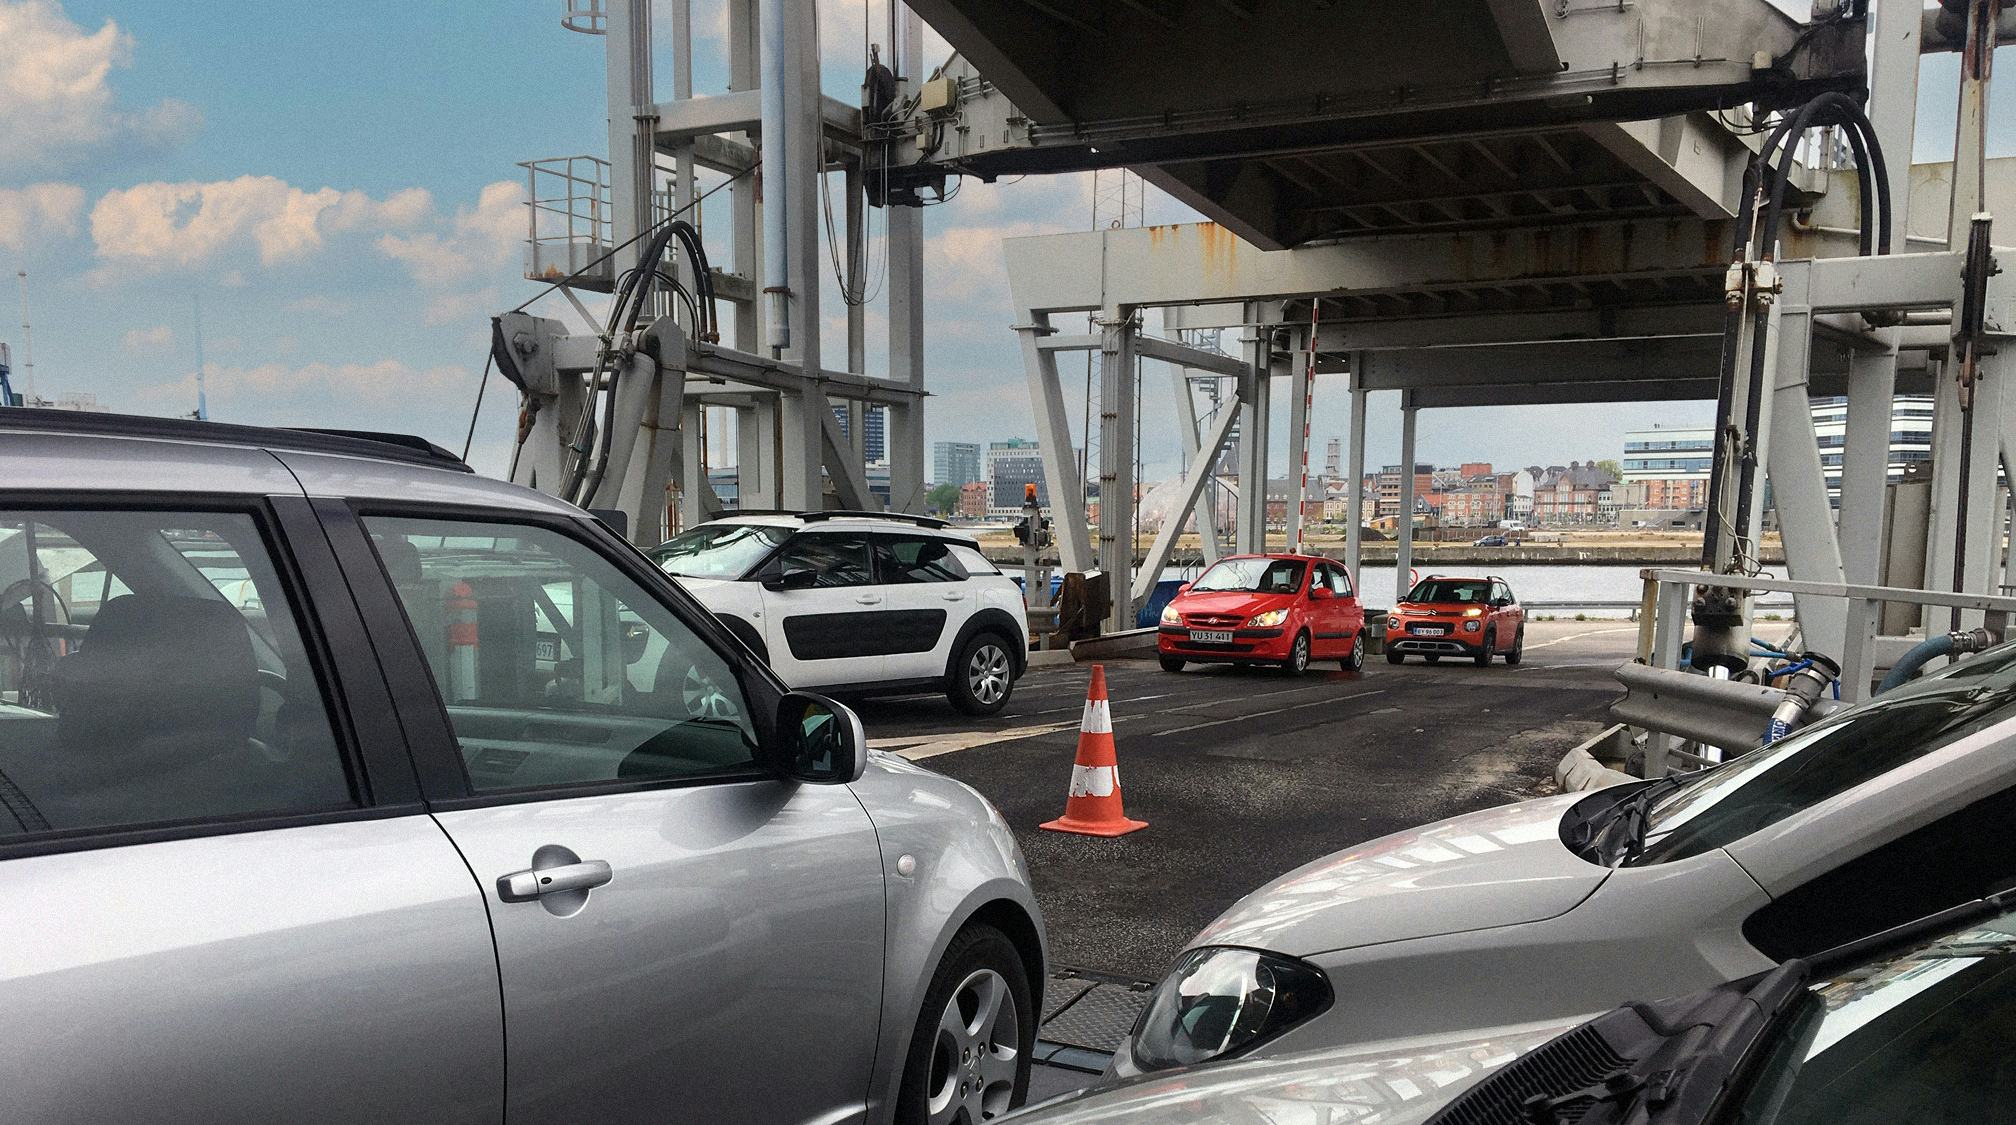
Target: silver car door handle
[(869, 599), (953, 597), (524, 886)]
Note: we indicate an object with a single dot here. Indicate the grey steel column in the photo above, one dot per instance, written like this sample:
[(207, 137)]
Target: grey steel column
[(1116, 460), (1354, 500), (631, 144), (1197, 459), (795, 187), (1403, 558), (1250, 533), (1053, 437), (1865, 461), (905, 234), (1798, 486), (1302, 371)]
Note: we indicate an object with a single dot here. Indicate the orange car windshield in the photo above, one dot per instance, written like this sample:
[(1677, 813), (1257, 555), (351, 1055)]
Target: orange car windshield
[(1251, 576), (1443, 590)]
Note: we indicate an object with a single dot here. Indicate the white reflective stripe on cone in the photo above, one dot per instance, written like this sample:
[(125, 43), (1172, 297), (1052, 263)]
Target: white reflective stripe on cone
[(1095, 781), (1098, 719)]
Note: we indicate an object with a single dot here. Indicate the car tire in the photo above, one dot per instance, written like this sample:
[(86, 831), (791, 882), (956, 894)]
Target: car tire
[(1393, 657), (980, 964), (1171, 663), (1517, 652), (1356, 661), (1298, 656), (983, 676), (1489, 650)]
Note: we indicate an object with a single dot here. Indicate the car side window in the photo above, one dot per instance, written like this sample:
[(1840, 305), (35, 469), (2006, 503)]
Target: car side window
[(834, 560), (1962, 856), (135, 689), (1340, 582), (556, 668), (909, 559)]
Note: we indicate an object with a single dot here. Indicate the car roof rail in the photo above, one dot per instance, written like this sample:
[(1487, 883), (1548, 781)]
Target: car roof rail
[(846, 514), (359, 443), (726, 512)]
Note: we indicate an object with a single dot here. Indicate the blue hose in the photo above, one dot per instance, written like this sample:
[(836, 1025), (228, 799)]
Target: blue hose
[(1787, 670), (1930, 649)]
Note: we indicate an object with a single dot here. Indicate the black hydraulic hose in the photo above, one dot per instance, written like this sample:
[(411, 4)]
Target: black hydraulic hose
[(642, 279), (1828, 109)]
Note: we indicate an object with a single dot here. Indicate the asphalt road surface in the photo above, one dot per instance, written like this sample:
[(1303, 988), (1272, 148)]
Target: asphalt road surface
[(1244, 774)]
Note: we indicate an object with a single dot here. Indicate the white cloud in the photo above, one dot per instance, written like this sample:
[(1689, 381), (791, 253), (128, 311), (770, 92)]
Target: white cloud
[(32, 214), (319, 304), (155, 339), (56, 99), (292, 393), (478, 242), (168, 225)]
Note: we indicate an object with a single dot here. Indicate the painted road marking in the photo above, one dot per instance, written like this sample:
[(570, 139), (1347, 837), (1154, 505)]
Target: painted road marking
[(1579, 636), (1263, 714)]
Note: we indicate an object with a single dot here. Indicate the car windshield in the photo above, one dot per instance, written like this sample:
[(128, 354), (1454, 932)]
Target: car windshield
[(1253, 576), (719, 550), (1449, 590), (1726, 803), (1922, 1035)]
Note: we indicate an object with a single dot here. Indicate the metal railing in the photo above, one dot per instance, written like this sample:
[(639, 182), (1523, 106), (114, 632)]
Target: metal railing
[(569, 222), (1663, 615)]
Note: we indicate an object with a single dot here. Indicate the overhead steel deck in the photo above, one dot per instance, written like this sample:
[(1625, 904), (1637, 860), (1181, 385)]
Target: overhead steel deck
[(1290, 121)]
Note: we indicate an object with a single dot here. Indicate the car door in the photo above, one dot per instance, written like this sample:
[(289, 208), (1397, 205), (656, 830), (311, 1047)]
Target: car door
[(821, 611), (928, 599), (1349, 615), (1506, 616), (709, 946), (220, 896)]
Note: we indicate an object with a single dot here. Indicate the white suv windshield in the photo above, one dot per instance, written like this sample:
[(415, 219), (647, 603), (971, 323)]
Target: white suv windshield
[(719, 550)]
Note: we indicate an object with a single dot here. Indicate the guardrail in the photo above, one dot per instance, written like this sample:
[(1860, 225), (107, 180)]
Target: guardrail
[(1663, 615)]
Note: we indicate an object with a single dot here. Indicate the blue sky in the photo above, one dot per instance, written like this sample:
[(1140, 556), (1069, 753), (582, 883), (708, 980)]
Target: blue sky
[(337, 183)]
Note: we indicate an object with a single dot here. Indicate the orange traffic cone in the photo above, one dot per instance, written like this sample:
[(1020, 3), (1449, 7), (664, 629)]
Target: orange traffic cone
[(1093, 808)]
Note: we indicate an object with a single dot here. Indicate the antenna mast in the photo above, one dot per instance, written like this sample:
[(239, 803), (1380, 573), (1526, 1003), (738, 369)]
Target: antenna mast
[(202, 405), (27, 343)]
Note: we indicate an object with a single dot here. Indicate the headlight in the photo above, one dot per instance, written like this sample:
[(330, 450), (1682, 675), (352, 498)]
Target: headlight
[(1223, 1001), (1268, 619), (1170, 616), (1473, 613)]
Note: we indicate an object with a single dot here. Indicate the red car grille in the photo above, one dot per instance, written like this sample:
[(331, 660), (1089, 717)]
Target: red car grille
[(1211, 619)]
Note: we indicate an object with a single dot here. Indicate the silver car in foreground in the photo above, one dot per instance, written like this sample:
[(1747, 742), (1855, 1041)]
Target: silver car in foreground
[(340, 784), (1916, 1024), (1885, 812)]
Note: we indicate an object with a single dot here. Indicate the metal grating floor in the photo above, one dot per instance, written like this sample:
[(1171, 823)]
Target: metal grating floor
[(1091, 1013)]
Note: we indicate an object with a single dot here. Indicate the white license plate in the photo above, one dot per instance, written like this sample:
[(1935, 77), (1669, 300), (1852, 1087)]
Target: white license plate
[(545, 650), (1429, 631), (1211, 636)]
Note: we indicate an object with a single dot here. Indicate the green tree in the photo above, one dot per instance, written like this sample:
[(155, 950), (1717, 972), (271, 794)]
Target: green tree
[(943, 498), (1615, 470)]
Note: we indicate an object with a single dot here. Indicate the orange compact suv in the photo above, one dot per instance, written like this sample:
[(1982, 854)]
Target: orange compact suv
[(1442, 616)]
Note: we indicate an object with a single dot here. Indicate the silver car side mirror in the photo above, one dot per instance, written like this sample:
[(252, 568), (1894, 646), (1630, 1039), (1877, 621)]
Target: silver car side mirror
[(820, 741)]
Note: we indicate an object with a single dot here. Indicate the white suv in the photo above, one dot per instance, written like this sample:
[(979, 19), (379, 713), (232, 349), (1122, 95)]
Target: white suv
[(860, 602)]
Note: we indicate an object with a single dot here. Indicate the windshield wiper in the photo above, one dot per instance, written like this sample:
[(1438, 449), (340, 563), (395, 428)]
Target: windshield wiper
[(1664, 1062), (1621, 837)]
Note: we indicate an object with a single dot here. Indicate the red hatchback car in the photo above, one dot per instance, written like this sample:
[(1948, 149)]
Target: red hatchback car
[(1441, 616), (1283, 610)]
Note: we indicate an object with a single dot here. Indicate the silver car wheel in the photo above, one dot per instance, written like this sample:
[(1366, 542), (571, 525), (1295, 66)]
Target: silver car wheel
[(704, 698), (977, 1053), (987, 674)]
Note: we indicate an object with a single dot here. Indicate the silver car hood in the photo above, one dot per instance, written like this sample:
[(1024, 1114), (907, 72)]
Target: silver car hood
[(1497, 867), (1395, 1082)]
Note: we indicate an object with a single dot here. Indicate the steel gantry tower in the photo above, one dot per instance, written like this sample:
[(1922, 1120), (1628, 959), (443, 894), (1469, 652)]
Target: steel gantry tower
[(614, 408)]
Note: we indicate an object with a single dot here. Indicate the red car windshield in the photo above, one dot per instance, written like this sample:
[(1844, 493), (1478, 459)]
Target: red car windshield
[(1448, 590), (1252, 576)]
